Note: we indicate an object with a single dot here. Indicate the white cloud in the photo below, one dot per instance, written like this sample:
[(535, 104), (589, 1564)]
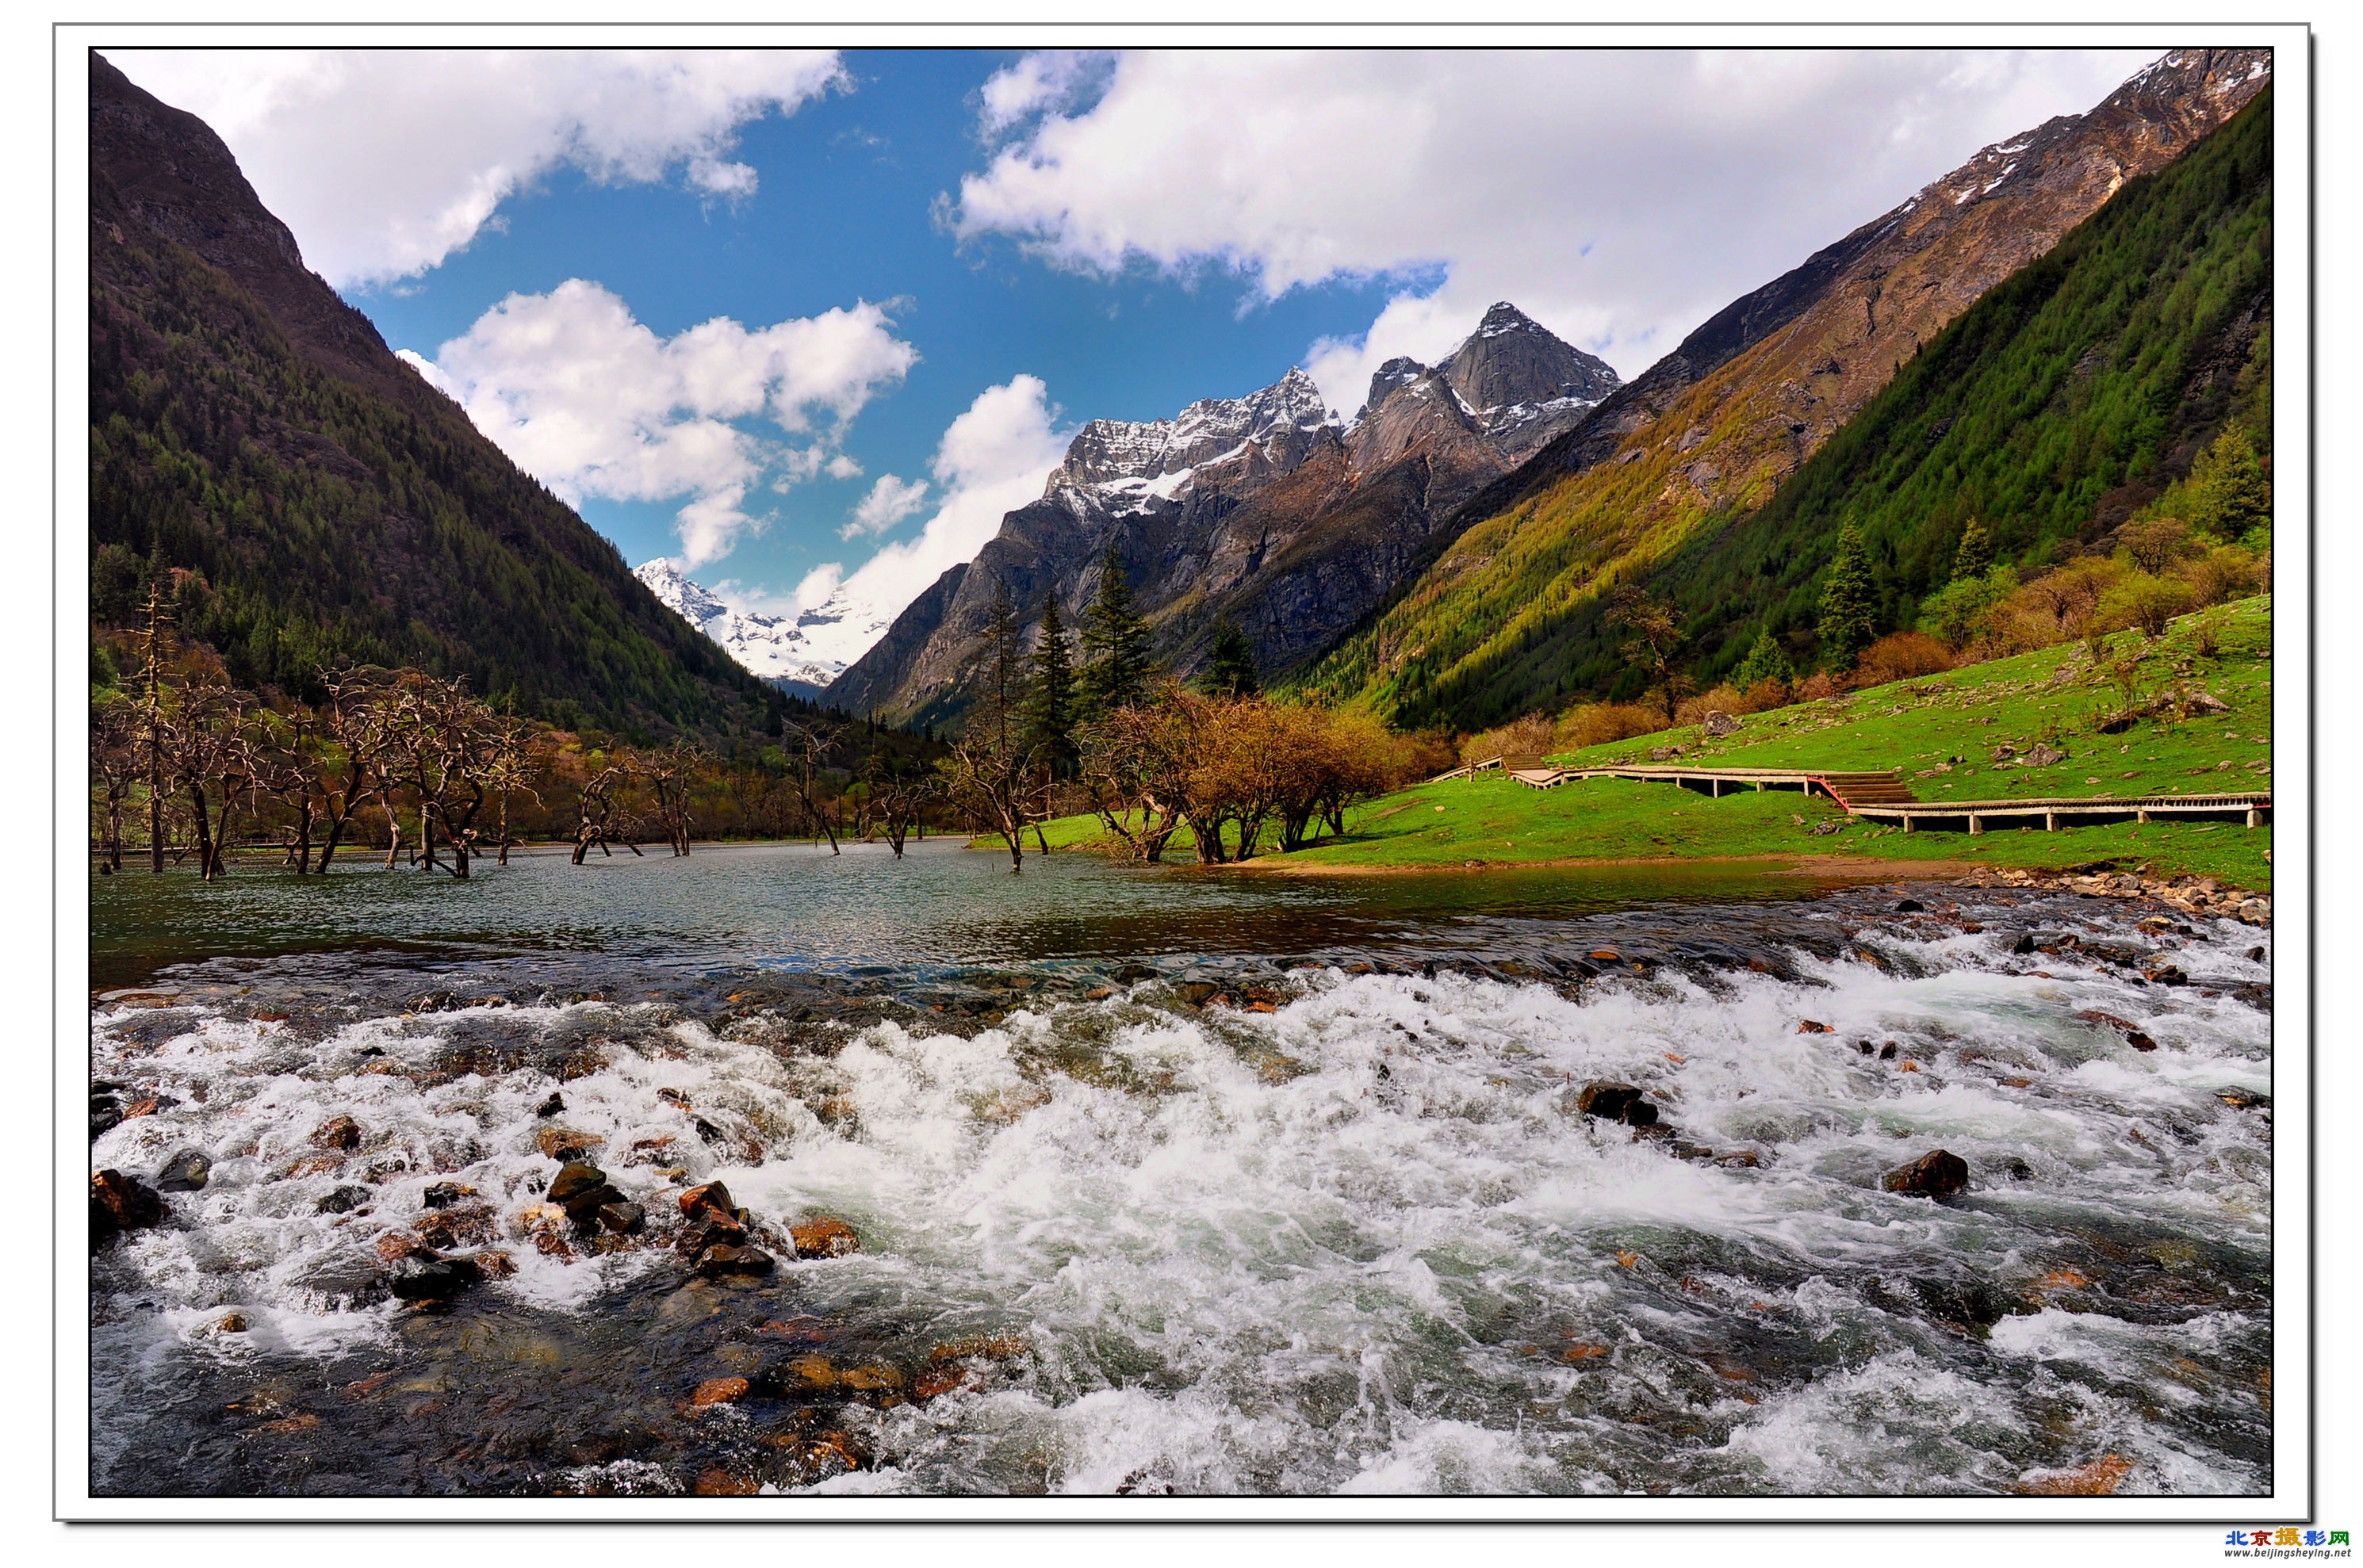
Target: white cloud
[(384, 162), (592, 402), (994, 459), (889, 502), (1619, 198)]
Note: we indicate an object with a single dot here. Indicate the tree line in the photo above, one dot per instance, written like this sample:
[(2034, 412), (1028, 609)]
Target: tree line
[(186, 765)]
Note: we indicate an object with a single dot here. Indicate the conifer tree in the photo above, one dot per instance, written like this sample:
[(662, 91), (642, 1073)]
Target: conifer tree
[(1975, 555), (2229, 491), (1005, 665), (1231, 668), (1116, 668), (1050, 702), (1849, 604), (1765, 661)]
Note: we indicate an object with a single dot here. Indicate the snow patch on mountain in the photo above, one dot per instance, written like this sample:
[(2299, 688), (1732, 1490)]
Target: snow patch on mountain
[(1127, 463), (810, 649)]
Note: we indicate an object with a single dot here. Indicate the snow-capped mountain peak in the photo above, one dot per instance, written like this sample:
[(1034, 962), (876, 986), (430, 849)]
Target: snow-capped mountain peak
[(806, 651), (1111, 459)]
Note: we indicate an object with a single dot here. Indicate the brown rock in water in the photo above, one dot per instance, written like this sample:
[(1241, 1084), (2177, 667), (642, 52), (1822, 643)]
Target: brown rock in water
[(1936, 1173), (565, 1144), (2134, 1037), (725, 1484), (574, 1182), (712, 1195), (1813, 1026), (824, 1238), (550, 1107), (118, 1203), (2098, 1479), (337, 1132), (622, 1218)]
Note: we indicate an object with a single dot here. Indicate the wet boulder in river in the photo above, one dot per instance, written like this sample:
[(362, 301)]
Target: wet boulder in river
[(1615, 1102), (706, 1196), (337, 1132), (119, 1203), (824, 1238), (187, 1171), (1936, 1173), (582, 1190)]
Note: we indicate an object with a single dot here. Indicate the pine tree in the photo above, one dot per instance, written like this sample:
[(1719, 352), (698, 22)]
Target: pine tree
[(2229, 491), (1051, 702), (1849, 604), (1116, 668), (1975, 555), (1765, 661), (1230, 668), (1005, 665)]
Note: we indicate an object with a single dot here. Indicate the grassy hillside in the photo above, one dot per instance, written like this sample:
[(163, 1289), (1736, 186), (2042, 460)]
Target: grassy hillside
[(2059, 401), (1917, 726)]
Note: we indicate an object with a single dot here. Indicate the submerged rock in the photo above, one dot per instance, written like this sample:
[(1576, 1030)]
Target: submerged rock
[(1936, 1173), (424, 1276), (724, 1259), (583, 1191)]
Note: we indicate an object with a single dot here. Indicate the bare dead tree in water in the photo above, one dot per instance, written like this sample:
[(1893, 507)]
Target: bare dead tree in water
[(600, 810), (808, 748), (208, 751), (670, 775), (361, 733), (900, 790), (458, 756), (285, 749), (989, 777), (117, 766)]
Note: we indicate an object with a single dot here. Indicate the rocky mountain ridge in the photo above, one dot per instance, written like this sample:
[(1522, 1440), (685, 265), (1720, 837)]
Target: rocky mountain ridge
[(1265, 509)]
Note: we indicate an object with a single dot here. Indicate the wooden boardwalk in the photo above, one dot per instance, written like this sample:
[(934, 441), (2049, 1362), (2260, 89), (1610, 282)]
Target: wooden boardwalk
[(1881, 796)]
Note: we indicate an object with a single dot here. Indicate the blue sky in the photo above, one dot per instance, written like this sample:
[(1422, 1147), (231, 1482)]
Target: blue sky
[(718, 300), (845, 213)]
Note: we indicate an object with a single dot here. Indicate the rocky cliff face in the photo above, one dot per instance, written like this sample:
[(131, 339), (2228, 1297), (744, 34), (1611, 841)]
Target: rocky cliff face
[(1264, 509), (1717, 424)]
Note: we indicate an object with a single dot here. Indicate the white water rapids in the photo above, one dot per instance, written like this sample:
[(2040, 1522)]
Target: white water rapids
[(1360, 1242)]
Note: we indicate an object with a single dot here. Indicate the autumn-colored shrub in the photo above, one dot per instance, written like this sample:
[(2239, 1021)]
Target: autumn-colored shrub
[(1902, 655), (1604, 724), (1529, 736)]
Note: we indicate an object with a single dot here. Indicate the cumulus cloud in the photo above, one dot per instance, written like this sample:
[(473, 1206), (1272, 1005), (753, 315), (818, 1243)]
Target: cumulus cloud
[(384, 162), (993, 460), (592, 402), (889, 502), (1619, 198)]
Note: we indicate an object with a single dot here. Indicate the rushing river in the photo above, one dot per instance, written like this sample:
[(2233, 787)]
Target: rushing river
[(1169, 1181)]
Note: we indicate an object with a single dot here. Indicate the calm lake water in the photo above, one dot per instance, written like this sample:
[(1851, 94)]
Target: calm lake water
[(1170, 1181)]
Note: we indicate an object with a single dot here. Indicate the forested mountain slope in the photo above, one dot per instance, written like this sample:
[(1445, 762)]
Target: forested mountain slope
[(252, 438), (1498, 626)]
